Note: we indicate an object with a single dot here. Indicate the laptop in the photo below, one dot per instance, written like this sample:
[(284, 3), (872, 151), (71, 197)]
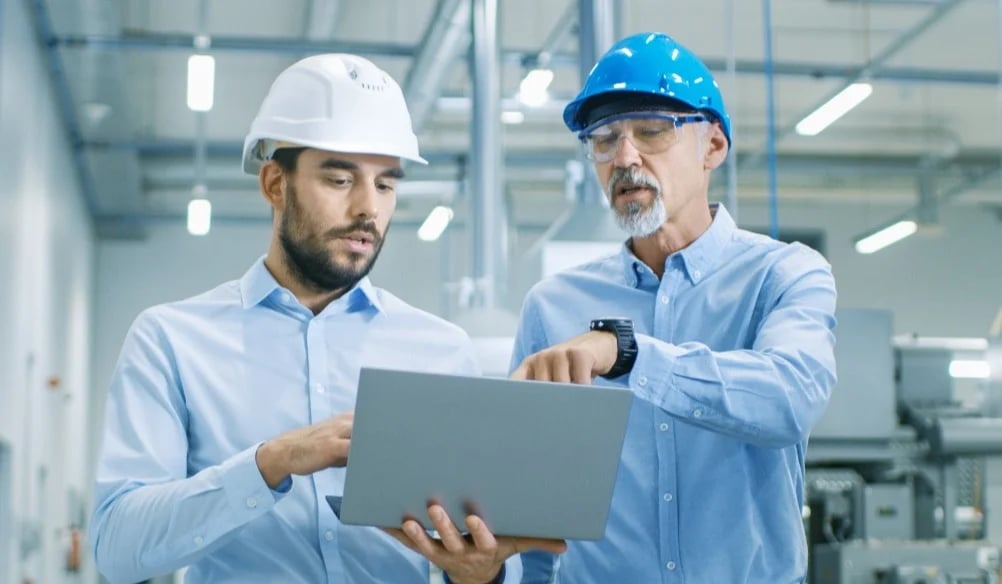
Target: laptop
[(535, 459)]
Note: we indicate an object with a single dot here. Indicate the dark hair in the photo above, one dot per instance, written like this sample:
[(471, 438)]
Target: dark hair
[(286, 158)]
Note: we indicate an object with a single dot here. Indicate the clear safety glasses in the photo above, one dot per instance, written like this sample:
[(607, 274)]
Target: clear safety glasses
[(650, 133)]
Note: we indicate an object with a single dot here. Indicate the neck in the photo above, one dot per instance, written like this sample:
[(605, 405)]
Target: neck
[(681, 229), (308, 294)]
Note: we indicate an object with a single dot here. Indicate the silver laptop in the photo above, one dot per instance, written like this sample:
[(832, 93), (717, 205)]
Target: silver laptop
[(531, 458)]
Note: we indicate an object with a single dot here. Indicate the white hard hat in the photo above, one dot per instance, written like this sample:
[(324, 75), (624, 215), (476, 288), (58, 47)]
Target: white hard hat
[(334, 102)]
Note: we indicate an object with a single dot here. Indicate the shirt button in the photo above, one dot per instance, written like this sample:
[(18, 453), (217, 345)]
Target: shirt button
[(670, 565), (329, 535), (642, 380), (697, 274), (318, 387), (664, 299), (286, 298), (697, 413), (668, 497), (198, 540), (664, 426), (251, 502)]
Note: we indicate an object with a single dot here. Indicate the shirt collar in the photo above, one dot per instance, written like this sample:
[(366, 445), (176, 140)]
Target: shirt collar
[(699, 258), (258, 284)]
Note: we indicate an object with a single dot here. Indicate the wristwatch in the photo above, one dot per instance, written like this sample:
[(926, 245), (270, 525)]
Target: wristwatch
[(626, 344)]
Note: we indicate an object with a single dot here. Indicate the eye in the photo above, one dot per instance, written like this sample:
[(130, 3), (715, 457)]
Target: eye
[(605, 139), (386, 187), (653, 130), (337, 180)]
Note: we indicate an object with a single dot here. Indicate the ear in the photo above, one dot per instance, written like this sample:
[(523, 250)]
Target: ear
[(271, 180), (716, 147)]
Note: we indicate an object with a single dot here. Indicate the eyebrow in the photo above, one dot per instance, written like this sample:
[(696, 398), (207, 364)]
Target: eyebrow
[(341, 164)]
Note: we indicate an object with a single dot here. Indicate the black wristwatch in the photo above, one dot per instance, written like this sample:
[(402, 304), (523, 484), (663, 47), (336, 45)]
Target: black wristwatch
[(626, 344)]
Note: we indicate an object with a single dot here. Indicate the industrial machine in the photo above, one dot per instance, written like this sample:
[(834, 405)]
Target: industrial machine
[(895, 488)]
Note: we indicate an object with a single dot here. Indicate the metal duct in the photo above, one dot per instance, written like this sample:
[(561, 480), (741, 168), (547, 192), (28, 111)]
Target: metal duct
[(445, 40)]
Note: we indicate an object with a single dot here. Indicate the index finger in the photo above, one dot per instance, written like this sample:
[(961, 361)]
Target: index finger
[(522, 372)]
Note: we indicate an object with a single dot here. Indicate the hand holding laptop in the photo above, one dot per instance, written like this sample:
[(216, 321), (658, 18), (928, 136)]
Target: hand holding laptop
[(475, 557)]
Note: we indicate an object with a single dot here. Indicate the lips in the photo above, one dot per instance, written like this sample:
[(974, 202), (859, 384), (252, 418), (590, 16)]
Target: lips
[(626, 189), (363, 237)]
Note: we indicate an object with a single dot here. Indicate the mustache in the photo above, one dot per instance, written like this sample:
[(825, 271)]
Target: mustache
[(364, 226), (631, 176)]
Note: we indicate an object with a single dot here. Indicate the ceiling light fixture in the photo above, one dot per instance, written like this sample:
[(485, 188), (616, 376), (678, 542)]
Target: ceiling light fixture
[(201, 82), (199, 212), (834, 109), (532, 91), (885, 236), (435, 223)]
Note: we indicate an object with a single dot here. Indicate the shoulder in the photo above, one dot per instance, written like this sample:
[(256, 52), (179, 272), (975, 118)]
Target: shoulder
[(603, 270), (397, 311), (159, 318), (786, 261)]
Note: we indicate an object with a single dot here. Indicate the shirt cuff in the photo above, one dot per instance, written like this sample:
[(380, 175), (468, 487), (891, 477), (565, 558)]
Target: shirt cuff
[(653, 369), (244, 486)]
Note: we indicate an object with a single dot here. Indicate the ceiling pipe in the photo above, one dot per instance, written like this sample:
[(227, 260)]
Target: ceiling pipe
[(321, 18), (64, 100), (770, 124), (489, 225), (731, 198), (445, 41), (566, 23), (595, 36)]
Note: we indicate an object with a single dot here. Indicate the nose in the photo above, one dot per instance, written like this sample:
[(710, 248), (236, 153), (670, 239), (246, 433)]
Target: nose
[(362, 201), (627, 154)]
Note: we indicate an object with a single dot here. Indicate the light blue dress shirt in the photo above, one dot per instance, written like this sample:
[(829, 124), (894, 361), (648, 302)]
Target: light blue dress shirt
[(200, 384), (735, 367)]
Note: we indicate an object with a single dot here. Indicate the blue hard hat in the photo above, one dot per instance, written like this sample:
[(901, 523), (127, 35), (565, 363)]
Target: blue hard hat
[(650, 69)]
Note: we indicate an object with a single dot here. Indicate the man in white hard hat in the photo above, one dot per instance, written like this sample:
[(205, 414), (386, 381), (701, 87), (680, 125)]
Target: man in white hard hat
[(229, 413)]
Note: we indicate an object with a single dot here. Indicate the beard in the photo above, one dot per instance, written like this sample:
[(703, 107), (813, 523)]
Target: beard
[(634, 217), (308, 256)]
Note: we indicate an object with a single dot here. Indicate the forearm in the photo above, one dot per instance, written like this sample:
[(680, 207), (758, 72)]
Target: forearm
[(538, 567), (141, 531), (510, 573), (766, 397)]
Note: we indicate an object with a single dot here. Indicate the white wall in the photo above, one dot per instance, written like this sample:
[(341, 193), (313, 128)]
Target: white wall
[(45, 312), (946, 284)]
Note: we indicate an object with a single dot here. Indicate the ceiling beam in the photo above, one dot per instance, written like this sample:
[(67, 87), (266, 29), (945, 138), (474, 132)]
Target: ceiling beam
[(184, 42)]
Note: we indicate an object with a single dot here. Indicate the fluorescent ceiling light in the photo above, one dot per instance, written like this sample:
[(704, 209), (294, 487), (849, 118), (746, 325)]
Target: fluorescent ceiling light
[(886, 236), (512, 117), (834, 109), (969, 369), (199, 216), (435, 223), (201, 82), (532, 91)]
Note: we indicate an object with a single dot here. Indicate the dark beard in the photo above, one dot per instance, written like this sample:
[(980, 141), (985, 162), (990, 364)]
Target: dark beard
[(308, 259)]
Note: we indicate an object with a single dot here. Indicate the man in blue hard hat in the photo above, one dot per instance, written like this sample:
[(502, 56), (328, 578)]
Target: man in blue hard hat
[(725, 338)]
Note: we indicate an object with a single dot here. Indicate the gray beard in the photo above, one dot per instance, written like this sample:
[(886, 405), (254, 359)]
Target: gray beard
[(640, 222)]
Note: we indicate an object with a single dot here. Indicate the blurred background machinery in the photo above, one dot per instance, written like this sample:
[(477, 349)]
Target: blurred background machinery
[(896, 470)]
